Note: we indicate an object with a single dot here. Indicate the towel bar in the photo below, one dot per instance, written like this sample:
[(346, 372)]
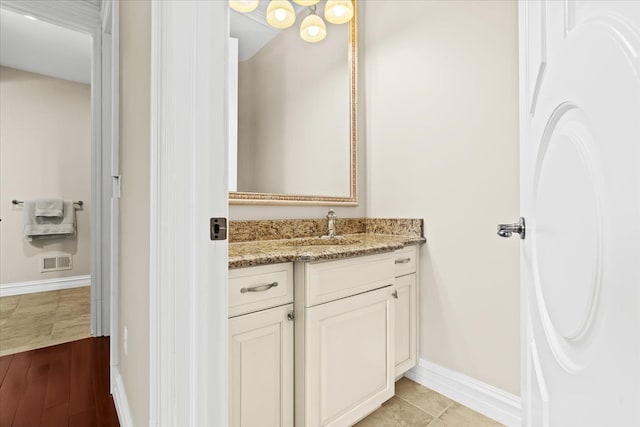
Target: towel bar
[(19, 202)]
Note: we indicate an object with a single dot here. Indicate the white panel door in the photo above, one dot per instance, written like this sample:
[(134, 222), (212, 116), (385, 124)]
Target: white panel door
[(349, 363), (261, 369), (406, 334), (580, 195)]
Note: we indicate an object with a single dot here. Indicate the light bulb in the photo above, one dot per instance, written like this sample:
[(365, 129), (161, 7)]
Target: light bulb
[(280, 14), (313, 29), (243, 6), (338, 11)]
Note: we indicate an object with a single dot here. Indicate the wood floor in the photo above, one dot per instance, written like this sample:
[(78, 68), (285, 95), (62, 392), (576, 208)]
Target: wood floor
[(62, 385)]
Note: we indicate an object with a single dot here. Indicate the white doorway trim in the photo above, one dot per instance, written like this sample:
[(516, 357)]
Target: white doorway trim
[(86, 17), (188, 271)]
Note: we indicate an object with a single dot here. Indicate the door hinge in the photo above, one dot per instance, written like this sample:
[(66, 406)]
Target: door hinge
[(218, 228)]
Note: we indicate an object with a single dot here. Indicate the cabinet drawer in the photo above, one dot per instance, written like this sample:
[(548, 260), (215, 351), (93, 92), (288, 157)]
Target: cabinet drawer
[(256, 288), (405, 260), (332, 280)]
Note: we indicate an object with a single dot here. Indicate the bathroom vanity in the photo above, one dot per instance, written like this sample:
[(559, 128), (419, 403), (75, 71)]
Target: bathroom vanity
[(319, 339)]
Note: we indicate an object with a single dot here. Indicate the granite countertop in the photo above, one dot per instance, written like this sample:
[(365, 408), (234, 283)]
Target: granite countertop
[(260, 252)]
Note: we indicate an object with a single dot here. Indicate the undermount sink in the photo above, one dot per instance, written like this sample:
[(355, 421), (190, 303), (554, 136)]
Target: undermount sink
[(318, 241)]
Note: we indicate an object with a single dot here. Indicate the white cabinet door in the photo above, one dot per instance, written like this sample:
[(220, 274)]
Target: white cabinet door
[(349, 358), (261, 369), (405, 324)]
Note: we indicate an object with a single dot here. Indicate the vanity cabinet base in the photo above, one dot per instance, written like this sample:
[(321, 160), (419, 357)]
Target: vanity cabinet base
[(345, 364)]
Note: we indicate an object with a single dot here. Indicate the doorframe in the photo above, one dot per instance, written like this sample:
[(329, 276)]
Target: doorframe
[(188, 164), (87, 18)]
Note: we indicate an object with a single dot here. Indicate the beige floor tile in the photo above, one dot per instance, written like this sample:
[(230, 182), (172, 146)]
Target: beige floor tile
[(7, 305), (43, 319), (73, 329), (396, 413), (429, 401), (39, 298), (27, 330), (48, 308), (461, 416)]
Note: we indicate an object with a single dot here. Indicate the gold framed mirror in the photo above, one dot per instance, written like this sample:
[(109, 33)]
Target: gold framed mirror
[(297, 114)]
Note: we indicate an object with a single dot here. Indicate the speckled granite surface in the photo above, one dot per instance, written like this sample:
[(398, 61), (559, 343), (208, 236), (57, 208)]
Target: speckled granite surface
[(247, 254), (249, 231), (270, 242)]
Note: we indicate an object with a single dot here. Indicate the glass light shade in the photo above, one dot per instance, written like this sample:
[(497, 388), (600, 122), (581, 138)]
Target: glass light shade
[(243, 5), (313, 29), (280, 14), (338, 11), (306, 2)]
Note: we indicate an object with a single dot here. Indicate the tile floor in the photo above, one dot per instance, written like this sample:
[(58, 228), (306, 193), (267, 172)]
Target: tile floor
[(417, 406), (43, 319)]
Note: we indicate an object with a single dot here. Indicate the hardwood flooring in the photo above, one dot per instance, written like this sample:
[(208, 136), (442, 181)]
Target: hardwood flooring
[(62, 385)]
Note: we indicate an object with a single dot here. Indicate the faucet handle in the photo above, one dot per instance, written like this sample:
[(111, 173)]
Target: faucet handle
[(331, 214)]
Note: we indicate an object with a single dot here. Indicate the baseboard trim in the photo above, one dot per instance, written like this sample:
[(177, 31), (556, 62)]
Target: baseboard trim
[(120, 398), (491, 401), (56, 284)]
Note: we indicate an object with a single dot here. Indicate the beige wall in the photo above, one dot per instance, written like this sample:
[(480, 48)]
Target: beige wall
[(293, 116), (442, 139), (135, 57), (45, 151)]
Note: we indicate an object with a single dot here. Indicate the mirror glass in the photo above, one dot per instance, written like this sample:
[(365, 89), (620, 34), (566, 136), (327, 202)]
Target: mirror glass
[(294, 109)]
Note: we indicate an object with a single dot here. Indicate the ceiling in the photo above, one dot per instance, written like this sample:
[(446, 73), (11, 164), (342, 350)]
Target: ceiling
[(43, 48), (253, 31)]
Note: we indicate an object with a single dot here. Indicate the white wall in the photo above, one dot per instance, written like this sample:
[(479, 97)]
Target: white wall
[(441, 97), (135, 138), (45, 151)]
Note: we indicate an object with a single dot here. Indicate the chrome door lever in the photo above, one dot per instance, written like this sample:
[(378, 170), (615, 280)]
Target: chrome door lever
[(507, 230)]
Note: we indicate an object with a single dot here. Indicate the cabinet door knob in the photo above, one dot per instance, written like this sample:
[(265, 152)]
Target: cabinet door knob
[(394, 294), (292, 315)]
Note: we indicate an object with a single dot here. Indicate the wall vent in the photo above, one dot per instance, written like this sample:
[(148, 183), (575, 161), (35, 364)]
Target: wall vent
[(55, 262)]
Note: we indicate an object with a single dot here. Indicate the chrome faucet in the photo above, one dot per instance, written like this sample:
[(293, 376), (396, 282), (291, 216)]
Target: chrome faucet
[(331, 218)]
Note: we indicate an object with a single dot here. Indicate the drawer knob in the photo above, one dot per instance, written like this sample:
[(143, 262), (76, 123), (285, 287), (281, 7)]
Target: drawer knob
[(260, 288), (403, 261)]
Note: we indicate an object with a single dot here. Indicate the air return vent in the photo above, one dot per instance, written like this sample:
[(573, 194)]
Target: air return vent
[(55, 262)]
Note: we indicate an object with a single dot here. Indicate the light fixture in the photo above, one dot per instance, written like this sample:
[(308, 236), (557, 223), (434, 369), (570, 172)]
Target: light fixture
[(338, 11), (306, 2), (32, 18), (280, 14), (244, 5), (313, 28)]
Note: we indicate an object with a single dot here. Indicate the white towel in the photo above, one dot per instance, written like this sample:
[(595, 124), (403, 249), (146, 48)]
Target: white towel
[(49, 208), (49, 227)]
